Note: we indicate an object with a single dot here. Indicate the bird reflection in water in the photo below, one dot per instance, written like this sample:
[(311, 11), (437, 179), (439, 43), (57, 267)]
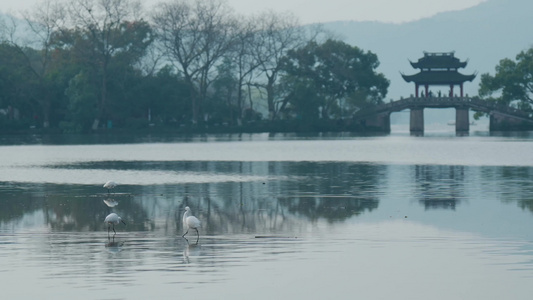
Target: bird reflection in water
[(191, 250), (114, 246), (110, 202)]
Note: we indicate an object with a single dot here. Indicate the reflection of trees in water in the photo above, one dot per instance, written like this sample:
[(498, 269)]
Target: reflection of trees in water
[(297, 194), (230, 208), (331, 209), (87, 213), (288, 196), (14, 206), (64, 207), (284, 197), (511, 185), (439, 187), (333, 191)]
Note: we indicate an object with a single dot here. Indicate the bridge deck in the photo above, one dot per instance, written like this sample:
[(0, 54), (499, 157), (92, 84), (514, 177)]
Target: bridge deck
[(473, 103)]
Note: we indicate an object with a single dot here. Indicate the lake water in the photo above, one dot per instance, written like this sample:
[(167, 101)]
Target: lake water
[(319, 216)]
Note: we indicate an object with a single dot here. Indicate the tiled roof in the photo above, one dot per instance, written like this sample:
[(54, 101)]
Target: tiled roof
[(438, 60), (438, 77)]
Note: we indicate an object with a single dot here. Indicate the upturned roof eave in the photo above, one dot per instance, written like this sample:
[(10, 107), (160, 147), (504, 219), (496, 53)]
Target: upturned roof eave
[(440, 79)]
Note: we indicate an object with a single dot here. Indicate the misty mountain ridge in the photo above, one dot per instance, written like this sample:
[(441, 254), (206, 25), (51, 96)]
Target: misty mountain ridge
[(483, 34)]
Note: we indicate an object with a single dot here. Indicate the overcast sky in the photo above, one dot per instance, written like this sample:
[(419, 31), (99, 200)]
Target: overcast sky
[(315, 11)]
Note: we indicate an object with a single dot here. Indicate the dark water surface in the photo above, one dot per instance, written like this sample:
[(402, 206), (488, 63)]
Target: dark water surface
[(283, 216)]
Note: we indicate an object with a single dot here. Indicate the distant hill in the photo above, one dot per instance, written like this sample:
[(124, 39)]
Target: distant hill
[(483, 34)]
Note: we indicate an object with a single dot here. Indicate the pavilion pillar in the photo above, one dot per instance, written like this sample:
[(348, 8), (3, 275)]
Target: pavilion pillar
[(416, 90), (462, 122), (451, 90), (417, 120), (461, 87), (427, 90)]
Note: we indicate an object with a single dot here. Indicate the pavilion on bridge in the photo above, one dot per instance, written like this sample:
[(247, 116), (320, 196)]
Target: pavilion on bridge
[(438, 68)]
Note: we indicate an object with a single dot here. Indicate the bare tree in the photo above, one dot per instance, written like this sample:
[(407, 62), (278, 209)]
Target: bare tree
[(103, 21), (32, 38), (277, 34), (5, 29), (44, 22), (244, 59), (196, 35)]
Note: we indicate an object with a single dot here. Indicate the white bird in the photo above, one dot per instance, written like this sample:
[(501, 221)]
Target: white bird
[(190, 221), (110, 185), (113, 219)]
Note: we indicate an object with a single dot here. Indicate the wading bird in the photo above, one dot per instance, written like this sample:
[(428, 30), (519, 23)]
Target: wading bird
[(110, 185), (112, 219), (190, 221)]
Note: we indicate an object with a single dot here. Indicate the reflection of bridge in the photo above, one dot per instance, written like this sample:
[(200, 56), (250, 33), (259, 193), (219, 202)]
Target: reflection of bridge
[(501, 117)]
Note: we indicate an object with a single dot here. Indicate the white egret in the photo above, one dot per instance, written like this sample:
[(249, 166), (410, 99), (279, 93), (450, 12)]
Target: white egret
[(110, 185), (190, 221), (111, 220)]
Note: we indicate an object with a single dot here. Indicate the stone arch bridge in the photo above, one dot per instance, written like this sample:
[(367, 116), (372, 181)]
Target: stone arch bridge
[(501, 117)]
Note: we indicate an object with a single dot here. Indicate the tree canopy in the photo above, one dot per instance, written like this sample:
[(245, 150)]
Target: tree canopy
[(332, 78), (512, 85), (95, 64)]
